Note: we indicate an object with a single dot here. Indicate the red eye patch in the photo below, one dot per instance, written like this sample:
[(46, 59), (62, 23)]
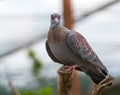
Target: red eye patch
[(59, 17), (52, 17)]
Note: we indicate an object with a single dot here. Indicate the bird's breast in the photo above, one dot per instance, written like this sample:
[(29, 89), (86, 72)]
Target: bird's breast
[(61, 52), (59, 48)]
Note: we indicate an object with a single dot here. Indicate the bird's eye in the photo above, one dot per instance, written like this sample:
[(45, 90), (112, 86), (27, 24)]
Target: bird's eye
[(52, 17), (59, 17)]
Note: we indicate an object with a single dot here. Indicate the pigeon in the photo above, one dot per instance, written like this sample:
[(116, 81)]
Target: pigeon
[(71, 49)]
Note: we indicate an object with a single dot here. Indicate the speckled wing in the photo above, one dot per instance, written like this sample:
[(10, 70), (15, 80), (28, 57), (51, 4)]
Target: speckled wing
[(80, 48), (50, 53)]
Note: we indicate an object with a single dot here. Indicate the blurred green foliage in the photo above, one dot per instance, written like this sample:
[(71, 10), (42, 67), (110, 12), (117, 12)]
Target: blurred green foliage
[(27, 92), (37, 64), (36, 68), (31, 54), (48, 87), (46, 90)]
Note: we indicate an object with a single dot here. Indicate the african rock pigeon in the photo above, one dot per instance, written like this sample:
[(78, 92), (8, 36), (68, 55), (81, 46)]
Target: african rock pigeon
[(71, 49)]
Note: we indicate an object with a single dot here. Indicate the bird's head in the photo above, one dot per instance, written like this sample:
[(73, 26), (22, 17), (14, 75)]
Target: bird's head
[(55, 19)]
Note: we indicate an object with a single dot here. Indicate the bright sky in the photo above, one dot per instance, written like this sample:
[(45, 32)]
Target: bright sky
[(43, 6), (27, 6)]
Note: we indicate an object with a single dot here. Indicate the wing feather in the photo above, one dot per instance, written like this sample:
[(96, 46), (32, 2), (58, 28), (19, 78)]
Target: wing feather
[(80, 48)]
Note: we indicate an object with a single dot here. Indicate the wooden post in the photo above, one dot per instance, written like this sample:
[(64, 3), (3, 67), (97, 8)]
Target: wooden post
[(64, 82), (99, 87), (69, 23), (65, 78), (68, 14), (13, 88)]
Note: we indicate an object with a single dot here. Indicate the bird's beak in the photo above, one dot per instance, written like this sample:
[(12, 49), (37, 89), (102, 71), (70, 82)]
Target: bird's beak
[(56, 20)]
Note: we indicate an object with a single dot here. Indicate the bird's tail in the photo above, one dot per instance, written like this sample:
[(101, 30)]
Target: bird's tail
[(97, 75)]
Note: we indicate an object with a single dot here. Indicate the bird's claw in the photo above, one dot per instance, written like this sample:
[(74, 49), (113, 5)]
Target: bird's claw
[(70, 68)]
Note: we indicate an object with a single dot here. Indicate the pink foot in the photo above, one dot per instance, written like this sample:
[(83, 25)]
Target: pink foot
[(71, 68)]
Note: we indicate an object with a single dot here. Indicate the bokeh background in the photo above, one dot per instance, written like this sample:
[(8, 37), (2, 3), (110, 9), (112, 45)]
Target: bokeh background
[(24, 24)]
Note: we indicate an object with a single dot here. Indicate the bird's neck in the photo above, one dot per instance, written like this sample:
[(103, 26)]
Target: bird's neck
[(55, 25), (57, 34)]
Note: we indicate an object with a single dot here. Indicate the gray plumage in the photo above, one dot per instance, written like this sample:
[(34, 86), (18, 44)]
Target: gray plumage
[(69, 48)]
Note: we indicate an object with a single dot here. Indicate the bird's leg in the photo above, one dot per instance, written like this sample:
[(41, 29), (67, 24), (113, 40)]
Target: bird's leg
[(70, 68)]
